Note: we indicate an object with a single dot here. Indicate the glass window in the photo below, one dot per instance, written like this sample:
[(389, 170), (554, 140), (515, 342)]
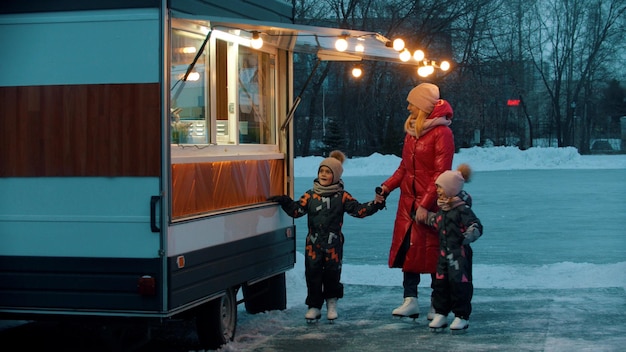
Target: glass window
[(228, 87), (256, 85), (188, 89)]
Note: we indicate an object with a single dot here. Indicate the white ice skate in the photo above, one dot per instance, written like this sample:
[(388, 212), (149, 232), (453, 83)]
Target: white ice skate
[(439, 322), (331, 306), (459, 326), (431, 313), (409, 308), (312, 315)]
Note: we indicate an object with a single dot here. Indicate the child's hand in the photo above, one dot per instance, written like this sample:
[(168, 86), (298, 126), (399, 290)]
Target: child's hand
[(471, 234), (280, 199)]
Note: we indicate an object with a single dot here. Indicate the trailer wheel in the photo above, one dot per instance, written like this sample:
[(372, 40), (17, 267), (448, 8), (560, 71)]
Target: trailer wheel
[(266, 295), (216, 321)]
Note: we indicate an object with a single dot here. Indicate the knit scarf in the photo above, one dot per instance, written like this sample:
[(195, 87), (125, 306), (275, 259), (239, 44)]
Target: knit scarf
[(327, 190), (450, 203), (429, 124)]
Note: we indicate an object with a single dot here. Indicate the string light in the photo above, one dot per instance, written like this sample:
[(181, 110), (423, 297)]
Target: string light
[(426, 67), (341, 44), (405, 55), (256, 42), (418, 55), (398, 44)]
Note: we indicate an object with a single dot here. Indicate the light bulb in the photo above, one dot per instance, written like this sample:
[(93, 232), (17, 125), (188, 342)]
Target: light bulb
[(357, 71), (256, 42), (398, 44), (341, 44), (405, 55), (423, 71), (418, 55), (359, 48), (445, 66)]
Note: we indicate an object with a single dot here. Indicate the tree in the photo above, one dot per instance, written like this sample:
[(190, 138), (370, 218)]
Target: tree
[(566, 42)]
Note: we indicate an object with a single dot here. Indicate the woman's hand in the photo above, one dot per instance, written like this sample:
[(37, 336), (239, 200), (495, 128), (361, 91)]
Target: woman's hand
[(421, 214), (381, 194)]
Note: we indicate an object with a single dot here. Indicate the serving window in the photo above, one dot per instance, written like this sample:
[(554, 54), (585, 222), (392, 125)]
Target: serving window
[(222, 90), (223, 121)]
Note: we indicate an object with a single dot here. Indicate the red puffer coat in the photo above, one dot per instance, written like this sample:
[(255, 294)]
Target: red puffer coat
[(423, 160)]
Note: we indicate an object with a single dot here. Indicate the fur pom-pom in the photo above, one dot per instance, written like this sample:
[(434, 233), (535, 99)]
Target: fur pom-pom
[(465, 170), (337, 154)]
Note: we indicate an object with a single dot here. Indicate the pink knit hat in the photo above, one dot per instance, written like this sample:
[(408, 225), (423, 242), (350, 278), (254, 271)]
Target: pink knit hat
[(424, 96), (452, 181)]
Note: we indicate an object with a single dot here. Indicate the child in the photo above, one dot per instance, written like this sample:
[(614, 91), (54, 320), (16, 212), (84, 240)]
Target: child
[(458, 226), (325, 205)]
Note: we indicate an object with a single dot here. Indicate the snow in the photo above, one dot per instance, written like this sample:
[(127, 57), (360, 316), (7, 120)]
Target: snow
[(481, 159)]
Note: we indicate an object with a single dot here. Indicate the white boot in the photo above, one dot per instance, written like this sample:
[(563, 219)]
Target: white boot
[(331, 306), (459, 324), (409, 308), (313, 314), (431, 313), (440, 321)]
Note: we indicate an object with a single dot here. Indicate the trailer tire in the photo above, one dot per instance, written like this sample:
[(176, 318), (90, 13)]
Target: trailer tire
[(216, 321), (266, 295)]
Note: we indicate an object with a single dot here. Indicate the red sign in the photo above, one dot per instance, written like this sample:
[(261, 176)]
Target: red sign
[(512, 102)]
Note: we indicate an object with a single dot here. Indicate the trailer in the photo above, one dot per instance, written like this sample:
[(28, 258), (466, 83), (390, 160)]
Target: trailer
[(139, 141)]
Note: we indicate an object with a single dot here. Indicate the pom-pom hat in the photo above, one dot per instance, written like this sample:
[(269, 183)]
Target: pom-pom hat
[(424, 96), (334, 163), (452, 181)]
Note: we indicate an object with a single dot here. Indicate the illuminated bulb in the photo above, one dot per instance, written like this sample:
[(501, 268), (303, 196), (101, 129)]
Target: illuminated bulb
[(341, 44), (256, 42), (357, 71), (445, 66), (359, 48), (398, 44), (418, 55), (424, 71), (405, 55)]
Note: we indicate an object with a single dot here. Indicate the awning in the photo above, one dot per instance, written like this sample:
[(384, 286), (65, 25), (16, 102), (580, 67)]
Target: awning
[(308, 39)]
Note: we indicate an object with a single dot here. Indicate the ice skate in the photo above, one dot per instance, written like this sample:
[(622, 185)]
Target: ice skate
[(459, 326), (439, 322), (331, 307), (431, 313), (409, 308), (312, 315)]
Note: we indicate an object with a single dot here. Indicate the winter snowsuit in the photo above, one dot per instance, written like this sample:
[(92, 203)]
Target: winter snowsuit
[(414, 246), (324, 240), (453, 288)]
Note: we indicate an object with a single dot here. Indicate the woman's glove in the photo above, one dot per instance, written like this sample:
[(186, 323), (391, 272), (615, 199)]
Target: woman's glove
[(380, 197), (282, 200)]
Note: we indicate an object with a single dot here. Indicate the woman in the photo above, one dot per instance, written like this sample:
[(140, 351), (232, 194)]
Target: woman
[(427, 152)]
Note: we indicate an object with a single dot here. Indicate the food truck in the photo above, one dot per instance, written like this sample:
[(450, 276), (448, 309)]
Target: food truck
[(140, 140)]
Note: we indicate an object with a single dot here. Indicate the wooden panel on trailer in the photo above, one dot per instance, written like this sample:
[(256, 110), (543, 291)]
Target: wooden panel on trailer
[(203, 187), (80, 130)]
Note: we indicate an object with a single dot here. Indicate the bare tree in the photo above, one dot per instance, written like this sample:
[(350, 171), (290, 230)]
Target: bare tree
[(566, 40)]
